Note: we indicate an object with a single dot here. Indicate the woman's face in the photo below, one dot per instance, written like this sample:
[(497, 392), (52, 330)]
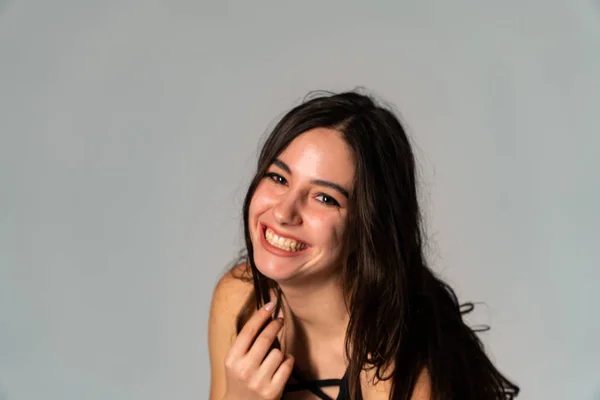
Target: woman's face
[(298, 212)]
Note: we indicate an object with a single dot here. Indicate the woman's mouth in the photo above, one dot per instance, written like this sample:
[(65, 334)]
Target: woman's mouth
[(282, 242)]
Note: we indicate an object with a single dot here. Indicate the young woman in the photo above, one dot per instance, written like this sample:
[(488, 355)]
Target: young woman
[(334, 298)]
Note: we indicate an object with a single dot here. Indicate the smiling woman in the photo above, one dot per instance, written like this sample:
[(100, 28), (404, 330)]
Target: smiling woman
[(299, 212), (333, 234)]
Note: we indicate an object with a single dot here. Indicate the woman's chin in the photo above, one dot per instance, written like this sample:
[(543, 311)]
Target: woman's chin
[(276, 271), (275, 267)]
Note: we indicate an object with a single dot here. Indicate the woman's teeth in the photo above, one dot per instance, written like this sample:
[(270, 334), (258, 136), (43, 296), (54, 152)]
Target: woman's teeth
[(283, 243)]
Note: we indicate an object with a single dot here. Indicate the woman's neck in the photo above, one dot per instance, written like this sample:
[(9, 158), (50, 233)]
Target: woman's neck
[(318, 310)]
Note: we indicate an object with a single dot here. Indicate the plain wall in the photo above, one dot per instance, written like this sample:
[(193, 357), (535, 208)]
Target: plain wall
[(129, 130)]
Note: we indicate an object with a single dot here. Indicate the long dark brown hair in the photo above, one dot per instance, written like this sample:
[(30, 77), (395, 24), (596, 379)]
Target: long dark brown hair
[(401, 313)]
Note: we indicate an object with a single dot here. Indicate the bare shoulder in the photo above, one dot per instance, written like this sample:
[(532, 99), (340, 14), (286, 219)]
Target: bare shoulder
[(382, 390), (229, 295)]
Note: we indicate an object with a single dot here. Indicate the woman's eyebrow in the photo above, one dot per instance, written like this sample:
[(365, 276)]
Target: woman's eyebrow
[(319, 182)]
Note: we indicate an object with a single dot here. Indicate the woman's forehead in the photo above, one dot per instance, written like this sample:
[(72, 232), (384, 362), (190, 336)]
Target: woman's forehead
[(320, 153)]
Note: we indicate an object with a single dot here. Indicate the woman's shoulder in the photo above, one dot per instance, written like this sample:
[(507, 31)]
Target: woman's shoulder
[(231, 292)]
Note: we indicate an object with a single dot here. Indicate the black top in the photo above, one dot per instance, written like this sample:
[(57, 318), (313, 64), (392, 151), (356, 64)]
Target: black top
[(315, 386)]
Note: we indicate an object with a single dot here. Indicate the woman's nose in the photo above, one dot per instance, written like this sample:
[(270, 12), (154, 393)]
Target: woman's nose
[(286, 212)]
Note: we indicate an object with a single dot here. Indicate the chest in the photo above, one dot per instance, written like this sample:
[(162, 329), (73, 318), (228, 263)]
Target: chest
[(319, 367), (322, 389), (335, 389)]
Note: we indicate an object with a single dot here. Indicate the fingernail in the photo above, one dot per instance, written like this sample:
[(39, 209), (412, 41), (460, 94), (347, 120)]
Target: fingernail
[(269, 306)]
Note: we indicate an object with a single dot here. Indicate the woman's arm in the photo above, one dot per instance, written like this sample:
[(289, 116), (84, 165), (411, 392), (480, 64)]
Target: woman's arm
[(228, 298)]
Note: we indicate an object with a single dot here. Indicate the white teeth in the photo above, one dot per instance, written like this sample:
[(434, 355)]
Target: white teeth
[(283, 243)]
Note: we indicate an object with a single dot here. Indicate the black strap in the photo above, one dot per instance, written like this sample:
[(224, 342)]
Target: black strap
[(313, 386)]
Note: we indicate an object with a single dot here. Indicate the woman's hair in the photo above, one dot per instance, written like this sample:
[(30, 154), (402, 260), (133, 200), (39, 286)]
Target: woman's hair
[(400, 312)]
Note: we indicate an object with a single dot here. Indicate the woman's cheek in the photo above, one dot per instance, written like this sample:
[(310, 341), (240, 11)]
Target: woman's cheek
[(262, 200)]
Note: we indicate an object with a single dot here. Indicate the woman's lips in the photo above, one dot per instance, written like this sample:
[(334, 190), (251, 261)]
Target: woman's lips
[(291, 246), (281, 234)]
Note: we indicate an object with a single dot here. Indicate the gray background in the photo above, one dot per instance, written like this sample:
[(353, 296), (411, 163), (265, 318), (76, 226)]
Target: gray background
[(129, 129)]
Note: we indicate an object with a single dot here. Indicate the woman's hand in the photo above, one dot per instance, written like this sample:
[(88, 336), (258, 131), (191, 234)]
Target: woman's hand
[(251, 376)]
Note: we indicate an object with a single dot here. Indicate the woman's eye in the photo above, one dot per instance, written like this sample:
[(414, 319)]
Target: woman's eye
[(327, 200), (277, 178)]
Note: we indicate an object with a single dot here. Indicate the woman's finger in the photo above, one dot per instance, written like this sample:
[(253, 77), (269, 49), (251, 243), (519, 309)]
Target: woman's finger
[(282, 374), (270, 365), (251, 330), (263, 342)]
